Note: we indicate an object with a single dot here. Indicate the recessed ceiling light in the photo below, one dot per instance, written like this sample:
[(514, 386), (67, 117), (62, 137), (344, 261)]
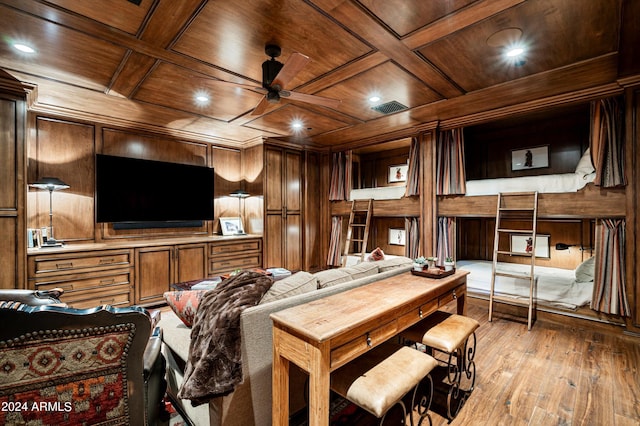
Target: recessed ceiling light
[(514, 51), (23, 48), (202, 99), (374, 98), (296, 125)]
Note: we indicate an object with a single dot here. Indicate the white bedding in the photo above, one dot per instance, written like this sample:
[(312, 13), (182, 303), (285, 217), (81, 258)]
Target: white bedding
[(566, 182), (380, 193), (555, 287)]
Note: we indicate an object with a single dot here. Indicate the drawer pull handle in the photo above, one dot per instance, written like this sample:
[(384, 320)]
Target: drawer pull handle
[(107, 261), (420, 312), (64, 265), (369, 343), (454, 295), (111, 281)]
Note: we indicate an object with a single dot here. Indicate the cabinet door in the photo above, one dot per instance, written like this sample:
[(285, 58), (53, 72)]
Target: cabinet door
[(191, 263), (154, 273)]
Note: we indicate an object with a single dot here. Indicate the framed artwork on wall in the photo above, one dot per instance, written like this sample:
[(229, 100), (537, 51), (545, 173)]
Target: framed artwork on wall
[(397, 237), (530, 158), (522, 244), (231, 226), (398, 173)]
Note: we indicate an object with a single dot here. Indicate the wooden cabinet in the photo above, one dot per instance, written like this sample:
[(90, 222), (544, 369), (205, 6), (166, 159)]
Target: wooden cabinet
[(88, 278), (12, 184), (231, 255), (283, 208), (158, 267)]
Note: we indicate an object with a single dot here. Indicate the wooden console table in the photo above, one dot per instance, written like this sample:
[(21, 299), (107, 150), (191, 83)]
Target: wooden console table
[(322, 335)]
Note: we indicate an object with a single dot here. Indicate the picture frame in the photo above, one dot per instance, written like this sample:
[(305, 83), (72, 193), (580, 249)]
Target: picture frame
[(231, 226), (521, 244), (397, 237), (530, 158), (398, 173)]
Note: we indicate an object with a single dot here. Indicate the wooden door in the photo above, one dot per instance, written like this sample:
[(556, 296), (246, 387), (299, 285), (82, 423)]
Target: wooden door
[(154, 273), (12, 205), (292, 218), (191, 262)]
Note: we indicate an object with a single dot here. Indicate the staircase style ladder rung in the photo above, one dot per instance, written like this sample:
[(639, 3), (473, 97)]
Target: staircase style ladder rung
[(363, 231), (502, 212)]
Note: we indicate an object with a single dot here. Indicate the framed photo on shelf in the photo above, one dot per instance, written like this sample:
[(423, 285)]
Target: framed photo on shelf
[(398, 173), (530, 158), (231, 226), (521, 243), (397, 237)]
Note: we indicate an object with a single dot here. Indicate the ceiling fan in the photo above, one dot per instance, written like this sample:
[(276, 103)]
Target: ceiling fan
[(275, 77)]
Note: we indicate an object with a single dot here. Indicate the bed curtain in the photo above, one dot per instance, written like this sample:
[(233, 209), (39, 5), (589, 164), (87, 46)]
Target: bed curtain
[(340, 177), (334, 257), (607, 142), (450, 175), (609, 295), (413, 173), (412, 234), (445, 235)]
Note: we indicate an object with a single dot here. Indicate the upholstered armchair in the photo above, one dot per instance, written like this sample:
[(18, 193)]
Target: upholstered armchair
[(60, 365)]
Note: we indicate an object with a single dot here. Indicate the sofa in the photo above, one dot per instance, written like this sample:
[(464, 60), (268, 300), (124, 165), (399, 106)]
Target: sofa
[(250, 402)]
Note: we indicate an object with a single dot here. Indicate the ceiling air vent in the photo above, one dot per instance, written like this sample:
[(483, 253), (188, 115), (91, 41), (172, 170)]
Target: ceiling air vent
[(389, 107)]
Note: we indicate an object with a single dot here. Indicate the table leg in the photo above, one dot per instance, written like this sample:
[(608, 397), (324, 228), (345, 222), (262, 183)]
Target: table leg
[(280, 384), (461, 308), (319, 381)]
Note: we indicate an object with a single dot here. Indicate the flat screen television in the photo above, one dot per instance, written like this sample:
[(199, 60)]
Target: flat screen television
[(145, 193)]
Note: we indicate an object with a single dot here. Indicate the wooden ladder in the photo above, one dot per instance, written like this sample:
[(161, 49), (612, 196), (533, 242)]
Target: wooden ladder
[(357, 232), (521, 206)]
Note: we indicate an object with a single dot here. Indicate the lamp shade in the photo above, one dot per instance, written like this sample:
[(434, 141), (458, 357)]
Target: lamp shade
[(49, 183), (239, 193)]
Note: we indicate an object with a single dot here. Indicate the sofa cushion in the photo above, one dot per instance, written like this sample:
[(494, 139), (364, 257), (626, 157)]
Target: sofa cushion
[(184, 303), (362, 270), (331, 277), (392, 263), (298, 283)]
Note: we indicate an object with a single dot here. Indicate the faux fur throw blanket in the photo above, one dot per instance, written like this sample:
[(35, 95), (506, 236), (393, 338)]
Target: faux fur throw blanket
[(214, 366)]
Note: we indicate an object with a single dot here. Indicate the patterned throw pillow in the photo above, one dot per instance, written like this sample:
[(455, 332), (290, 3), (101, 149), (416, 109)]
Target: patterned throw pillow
[(184, 303)]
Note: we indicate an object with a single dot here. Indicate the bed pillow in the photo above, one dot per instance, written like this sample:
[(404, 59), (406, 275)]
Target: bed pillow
[(184, 303), (331, 277), (586, 270), (585, 166), (376, 255), (362, 270), (298, 283)]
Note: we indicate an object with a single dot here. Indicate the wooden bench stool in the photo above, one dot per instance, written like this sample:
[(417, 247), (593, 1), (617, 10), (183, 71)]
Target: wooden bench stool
[(382, 377), (453, 335)]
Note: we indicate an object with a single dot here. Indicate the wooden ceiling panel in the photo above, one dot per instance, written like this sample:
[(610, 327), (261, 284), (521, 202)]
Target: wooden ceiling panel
[(77, 58), (554, 34), (177, 88), (120, 14), (280, 121), (232, 35), (406, 16), (388, 81)]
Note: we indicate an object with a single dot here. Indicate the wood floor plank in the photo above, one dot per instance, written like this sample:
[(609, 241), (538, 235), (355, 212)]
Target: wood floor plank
[(555, 374)]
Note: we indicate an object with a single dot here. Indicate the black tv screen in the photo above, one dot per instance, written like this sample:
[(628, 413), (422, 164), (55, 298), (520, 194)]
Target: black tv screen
[(135, 190)]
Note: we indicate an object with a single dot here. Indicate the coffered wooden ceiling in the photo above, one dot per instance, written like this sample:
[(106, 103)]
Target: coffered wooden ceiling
[(142, 65)]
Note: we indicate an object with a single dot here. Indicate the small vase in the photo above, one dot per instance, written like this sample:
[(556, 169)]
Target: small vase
[(432, 264), (448, 266), (418, 267)]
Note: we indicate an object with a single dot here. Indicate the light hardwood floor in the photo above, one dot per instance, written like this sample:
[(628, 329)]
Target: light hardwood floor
[(555, 374)]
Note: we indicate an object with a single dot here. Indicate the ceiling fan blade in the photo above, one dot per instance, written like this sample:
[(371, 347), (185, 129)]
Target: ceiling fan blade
[(252, 87), (261, 107), (294, 64), (311, 99)]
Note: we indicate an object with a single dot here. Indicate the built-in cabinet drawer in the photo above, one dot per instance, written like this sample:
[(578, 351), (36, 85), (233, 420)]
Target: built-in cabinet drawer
[(88, 279), (231, 255), (77, 262)]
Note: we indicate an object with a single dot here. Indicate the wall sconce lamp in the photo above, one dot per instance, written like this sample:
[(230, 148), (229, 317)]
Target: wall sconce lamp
[(51, 184), (239, 194)]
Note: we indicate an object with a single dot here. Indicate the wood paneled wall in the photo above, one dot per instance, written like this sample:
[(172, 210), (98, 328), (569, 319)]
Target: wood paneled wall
[(66, 149), (372, 169)]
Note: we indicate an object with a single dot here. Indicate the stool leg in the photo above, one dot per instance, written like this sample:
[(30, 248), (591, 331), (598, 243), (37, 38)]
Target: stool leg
[(404, 414), (424, 405)]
